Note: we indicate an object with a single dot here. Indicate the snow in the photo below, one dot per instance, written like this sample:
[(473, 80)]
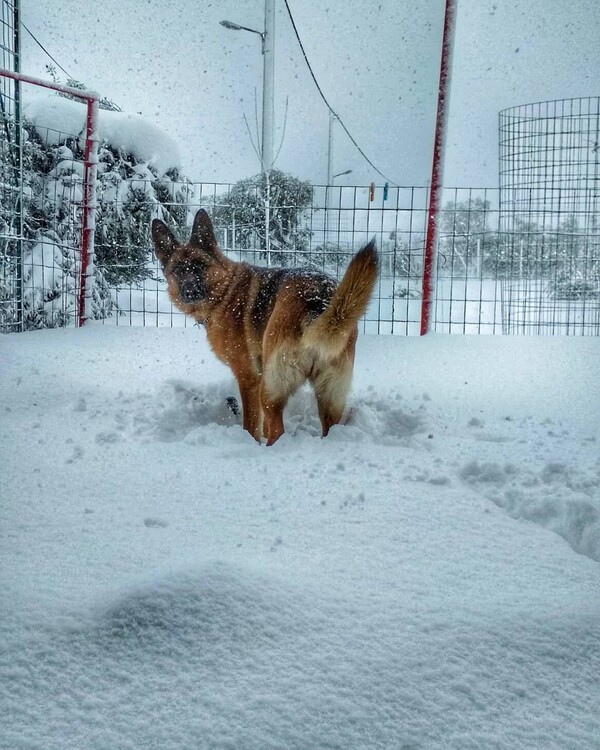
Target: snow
[(54, 116), (426, 577), (43, 268), (49, 271)]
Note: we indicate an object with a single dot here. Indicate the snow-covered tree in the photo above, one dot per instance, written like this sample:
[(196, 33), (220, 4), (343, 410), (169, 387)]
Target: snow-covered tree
[(129, 194), (242, 211), (466, 241), (137, 178)]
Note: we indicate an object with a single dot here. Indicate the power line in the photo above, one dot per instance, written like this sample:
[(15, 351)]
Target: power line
[(319, 89), (329, 107), (37, 41)]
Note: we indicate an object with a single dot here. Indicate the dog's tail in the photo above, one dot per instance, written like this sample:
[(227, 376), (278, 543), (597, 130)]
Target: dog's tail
[(330, 332)]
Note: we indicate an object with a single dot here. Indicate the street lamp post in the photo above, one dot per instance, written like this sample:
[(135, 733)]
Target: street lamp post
[(268, 107), (332, 119)]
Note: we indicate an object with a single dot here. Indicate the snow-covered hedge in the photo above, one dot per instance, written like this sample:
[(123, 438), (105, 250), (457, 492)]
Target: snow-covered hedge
[(131, 134), (138, 178)]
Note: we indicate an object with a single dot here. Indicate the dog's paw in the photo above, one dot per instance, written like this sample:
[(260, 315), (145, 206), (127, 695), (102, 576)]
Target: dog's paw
[(233, 405)]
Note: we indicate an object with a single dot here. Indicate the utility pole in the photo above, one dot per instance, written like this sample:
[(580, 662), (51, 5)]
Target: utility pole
[(330, 149), (267, 37), (328, 184), (268, 114), (268, 103)]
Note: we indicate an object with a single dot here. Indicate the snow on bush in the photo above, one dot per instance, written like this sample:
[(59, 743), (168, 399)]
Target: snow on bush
[(137, 179), (55, 116)]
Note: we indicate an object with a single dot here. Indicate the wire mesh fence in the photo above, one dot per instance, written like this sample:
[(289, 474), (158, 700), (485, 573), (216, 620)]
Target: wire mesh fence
[(39, 236), (312, 226), (9, 38), (521, 259), (488, 279)]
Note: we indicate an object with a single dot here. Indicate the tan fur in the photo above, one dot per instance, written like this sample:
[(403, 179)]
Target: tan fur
[(332, 330), (275, 328)]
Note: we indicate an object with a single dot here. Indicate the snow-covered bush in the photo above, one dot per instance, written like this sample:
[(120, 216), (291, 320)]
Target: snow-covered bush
[(137, 179), (571, 287), (129, 195)]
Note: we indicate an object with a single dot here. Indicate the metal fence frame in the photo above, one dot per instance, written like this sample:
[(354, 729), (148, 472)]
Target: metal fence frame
[(481, 283), (489, 277), (88, 202), (485, 281)]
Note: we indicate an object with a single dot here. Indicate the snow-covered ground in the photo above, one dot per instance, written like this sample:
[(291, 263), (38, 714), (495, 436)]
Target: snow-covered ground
[(426, 577)]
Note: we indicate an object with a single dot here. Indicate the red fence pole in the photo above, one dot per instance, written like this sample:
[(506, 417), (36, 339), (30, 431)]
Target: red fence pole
[(88, 211), (80, 93), (437, 168)]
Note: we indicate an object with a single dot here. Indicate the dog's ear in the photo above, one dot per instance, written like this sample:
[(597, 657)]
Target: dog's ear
[(202, 232), (164, 242)]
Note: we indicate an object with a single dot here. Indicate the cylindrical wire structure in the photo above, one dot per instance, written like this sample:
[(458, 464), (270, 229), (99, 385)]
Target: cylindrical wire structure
[(549, 215)]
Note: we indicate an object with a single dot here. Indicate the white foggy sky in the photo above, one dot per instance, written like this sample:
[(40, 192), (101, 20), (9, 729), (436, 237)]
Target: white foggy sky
[(377, 62)]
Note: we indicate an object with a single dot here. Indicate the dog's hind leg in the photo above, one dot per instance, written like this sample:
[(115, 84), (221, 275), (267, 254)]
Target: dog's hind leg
[(282, 377), (331, 389), (249, 385), (272, 416)]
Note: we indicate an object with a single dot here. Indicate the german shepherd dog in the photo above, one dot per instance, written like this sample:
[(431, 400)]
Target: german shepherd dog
[(274, 327)]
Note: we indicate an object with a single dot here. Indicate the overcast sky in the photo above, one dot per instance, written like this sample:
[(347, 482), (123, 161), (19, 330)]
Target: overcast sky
[(377, 62)]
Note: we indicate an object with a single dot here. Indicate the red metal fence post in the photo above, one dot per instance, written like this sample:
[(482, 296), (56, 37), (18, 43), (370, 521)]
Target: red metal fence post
[(88, 210), (437, 168)]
